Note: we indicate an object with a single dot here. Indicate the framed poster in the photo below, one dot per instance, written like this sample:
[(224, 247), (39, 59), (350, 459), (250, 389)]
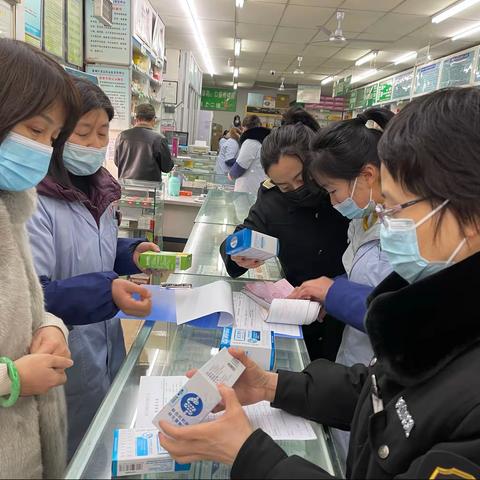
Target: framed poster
[(402, 85), (384, 91), (427, 78), (169, 92), (143, 18), (111, 45), (457, 70), (33, 22), (75, 32), (7, 28), (115, 82), (309, 94), (159, 37), (221, 99), (54, 27), (371, 95)]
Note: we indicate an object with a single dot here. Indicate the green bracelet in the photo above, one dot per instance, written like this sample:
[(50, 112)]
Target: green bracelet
[(15, 379)]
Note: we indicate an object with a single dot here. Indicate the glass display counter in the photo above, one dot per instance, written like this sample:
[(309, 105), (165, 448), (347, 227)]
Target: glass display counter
[(225, 208), (167, 349), (141, 208), (204, 243)]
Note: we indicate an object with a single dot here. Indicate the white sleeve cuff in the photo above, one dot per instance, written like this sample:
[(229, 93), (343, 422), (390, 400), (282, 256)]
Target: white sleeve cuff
[(53, 321), (5, 382)]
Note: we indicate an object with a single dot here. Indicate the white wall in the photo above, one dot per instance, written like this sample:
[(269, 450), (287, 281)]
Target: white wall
[(226, 118)]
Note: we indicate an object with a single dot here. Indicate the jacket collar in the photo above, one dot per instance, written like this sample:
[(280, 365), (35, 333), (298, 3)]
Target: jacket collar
[(416, 329), (104, 190), (256, 133)]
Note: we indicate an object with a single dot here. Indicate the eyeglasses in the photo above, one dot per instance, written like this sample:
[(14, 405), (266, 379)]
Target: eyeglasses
[(385, 213)]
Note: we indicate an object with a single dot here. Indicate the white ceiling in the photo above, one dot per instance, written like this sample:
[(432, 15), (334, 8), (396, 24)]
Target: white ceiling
[(275, 32)]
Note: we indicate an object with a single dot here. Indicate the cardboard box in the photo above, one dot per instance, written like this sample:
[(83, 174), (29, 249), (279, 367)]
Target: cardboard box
[(138, 452), (200, 395), (251, 244), (165, 260), (259, 345)]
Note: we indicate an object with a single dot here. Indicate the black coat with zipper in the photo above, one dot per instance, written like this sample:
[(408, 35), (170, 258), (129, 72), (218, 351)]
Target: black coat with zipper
[(427, 340), (313, 238)]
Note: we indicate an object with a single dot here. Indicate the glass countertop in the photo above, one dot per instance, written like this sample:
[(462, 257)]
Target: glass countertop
[(168, 349), (225, 208), (204, 243)]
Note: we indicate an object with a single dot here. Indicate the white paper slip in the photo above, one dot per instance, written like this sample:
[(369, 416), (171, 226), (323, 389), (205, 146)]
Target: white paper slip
[(293, 312), (251, 316), (153, 395), (202, 301)]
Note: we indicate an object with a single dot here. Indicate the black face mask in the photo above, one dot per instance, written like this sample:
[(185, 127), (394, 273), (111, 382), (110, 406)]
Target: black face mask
[(302, 196)]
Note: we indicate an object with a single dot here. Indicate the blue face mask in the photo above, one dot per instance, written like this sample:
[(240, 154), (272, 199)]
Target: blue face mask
[(349, 208), (23, 162), (83, 161), (398, 239)]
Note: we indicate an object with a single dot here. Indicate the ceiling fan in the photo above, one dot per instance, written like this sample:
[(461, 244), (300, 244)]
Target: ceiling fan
[(337, 37)]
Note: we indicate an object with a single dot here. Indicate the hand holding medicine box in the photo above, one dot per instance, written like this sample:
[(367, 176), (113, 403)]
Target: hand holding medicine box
[(200, 394), (259, 345), (165, 261), (251, 244)]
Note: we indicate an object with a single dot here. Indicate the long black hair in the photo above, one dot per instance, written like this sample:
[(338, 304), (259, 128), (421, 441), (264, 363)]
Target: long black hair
[(291, 140), (343, 149), (299, 115), (92, 97), (30, 83)]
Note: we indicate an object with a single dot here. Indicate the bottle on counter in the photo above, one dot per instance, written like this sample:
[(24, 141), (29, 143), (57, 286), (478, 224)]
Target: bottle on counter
[(174, 183)]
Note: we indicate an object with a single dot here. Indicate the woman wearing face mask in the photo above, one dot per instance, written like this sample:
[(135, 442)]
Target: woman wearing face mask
[(38, 108), (345, 162), (415, 412), (228, 152), (311, 233), (79, 258)]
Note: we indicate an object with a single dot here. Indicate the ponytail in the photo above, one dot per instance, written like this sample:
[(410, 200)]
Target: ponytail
[(343, 149)]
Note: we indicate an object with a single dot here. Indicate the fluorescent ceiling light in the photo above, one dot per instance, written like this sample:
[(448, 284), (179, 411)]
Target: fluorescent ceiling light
[(405, 57), (327, 80), (364, 75), (239, 3), (366, 58), (235, 85), (189, 7), (453, 10), (238, 47), (235, 72), (466, 33)]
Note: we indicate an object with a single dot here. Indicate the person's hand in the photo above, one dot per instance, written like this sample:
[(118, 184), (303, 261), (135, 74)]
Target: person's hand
[(122, 291), (254, 385), (230, 177), (40, 372), (218, 441), (50, 340), (316, 290), (142, 248), (247, 263)]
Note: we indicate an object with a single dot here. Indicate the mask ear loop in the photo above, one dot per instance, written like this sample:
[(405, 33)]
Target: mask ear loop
[(354, 187), (457, 250), (431, 214)]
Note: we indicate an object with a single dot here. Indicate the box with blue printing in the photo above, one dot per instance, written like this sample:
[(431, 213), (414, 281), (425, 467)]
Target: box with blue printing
[(251, 244)]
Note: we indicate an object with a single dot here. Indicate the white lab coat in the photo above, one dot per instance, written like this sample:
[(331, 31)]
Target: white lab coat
[(249, 159)]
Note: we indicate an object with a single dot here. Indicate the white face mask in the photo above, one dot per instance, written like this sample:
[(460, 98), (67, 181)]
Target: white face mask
[(349, 208), (83, 161), (398, 238)]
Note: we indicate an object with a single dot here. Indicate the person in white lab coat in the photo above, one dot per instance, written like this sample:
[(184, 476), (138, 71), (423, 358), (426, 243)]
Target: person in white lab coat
[(247, 171)]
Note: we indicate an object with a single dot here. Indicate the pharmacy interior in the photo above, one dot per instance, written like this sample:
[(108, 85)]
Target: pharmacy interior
[(252, 147)]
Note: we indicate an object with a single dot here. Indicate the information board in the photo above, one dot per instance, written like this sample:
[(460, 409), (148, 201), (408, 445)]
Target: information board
[(33, 22), (457, 70), (402, 85), (54, 26), (426, 79), (360, 100), (342, 87), (108, 44), (384, 92), (309, 93), (74, 32), (220, 99), (352, 100), (371, 95), (115, 82), (6, 20)]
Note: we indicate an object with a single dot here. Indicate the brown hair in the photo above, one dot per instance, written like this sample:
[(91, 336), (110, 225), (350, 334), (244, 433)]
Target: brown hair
[(235, 133), (31, 82), (251, 121)]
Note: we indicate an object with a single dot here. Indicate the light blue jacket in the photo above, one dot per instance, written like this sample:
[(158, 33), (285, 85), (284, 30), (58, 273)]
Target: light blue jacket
[(227, 156), (77, 260)]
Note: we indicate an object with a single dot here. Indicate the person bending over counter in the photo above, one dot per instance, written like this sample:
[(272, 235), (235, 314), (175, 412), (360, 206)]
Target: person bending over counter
[(415, 411), (311, 233)]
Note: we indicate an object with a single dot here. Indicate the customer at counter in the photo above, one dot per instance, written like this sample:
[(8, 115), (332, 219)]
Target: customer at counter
[(228, 151), (311, 233), (247, 170), (79, 258), (415, 412)]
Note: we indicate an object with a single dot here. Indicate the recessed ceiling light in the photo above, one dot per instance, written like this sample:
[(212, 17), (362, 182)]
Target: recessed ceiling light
[(235, 85), (239, 3), (453, 10), (236, 72), (237, 47)]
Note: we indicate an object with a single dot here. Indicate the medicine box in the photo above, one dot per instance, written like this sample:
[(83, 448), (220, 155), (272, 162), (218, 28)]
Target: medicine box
[(259, 345), (251, 244), (165, 260), (138, 452), (200, 395)]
